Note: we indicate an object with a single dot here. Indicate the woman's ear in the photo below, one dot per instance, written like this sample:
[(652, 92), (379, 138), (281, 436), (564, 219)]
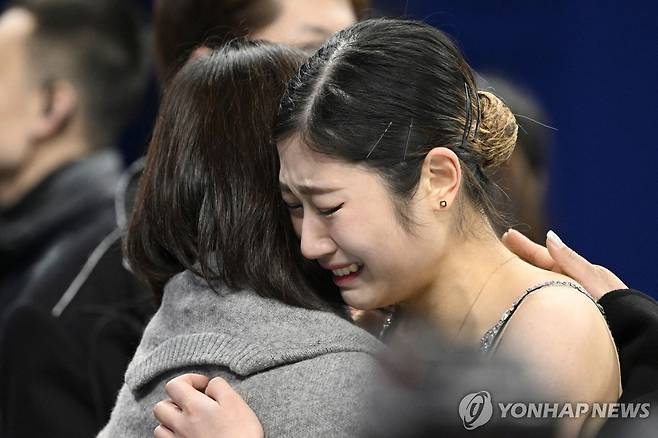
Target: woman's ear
[(59, 103), (440, 178)]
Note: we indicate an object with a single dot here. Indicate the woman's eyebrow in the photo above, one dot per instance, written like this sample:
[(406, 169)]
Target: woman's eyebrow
[(306, 189)]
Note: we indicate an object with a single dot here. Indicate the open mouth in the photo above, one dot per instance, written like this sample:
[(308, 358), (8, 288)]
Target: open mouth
[(346, 275)]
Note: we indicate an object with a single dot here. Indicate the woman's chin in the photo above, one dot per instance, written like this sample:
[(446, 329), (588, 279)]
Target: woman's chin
[(360, 300)]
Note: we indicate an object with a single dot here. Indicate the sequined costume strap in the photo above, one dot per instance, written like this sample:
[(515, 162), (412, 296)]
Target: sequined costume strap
[(490, 337)]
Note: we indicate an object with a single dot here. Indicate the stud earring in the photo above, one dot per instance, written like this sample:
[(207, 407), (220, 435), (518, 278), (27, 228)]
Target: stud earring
[(443, 204)]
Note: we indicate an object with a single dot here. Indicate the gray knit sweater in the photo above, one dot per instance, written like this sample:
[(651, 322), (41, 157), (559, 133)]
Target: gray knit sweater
[(303, 372)]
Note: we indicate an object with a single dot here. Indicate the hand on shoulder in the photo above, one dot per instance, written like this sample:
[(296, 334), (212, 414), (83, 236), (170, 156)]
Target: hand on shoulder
[(558, 257)]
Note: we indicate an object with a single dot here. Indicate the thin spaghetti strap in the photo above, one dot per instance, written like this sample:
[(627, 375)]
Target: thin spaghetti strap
[(491, 336)]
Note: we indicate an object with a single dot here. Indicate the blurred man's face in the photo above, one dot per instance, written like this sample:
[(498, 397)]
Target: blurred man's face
[(307, 24), (19, 95)]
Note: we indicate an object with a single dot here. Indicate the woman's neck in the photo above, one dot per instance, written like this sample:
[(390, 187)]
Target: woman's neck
[(475, 281)]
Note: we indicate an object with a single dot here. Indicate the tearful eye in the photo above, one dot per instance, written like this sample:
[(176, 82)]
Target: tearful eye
[(330, 211)]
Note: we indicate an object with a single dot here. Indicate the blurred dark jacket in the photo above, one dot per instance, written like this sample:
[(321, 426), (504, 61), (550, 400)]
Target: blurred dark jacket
[(633, 320), (71, 314)]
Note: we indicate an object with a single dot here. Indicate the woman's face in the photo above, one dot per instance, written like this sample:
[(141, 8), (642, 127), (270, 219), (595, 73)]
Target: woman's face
[(345, 218), (307, 24)]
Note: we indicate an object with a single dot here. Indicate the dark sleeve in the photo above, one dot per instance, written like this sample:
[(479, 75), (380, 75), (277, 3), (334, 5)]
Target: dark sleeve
[(53, 387), (633, 320), (44, 391), (59, 376), (106, 319)]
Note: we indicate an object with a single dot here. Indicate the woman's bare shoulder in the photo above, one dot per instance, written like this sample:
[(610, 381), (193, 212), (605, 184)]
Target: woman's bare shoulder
[(562, 335)]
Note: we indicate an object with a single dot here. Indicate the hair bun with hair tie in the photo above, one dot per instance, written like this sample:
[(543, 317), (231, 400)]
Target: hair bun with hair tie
[(496, 136)]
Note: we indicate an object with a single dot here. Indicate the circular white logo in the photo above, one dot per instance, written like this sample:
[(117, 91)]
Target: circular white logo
[(476, 409)]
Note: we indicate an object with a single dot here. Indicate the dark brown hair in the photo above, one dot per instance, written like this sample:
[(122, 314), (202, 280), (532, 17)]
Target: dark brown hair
[(183, 25), (209, 200)]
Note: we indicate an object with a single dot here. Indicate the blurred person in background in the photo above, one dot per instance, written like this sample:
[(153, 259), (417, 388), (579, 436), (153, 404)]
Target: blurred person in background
[(182, 26), (70, 314)]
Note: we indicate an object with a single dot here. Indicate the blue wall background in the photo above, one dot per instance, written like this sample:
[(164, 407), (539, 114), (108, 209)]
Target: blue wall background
[(594, 66)]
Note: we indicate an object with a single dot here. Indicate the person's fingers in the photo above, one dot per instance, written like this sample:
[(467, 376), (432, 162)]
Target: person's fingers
[(613, 282), (219, 389), (597, 280), (184, 388), (527, 250), (162, 432), (569, 261), (166, 412), (233, 408)]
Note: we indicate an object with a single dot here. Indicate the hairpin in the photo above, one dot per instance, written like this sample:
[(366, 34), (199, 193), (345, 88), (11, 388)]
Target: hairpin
[(406, 146), (380, 139)]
